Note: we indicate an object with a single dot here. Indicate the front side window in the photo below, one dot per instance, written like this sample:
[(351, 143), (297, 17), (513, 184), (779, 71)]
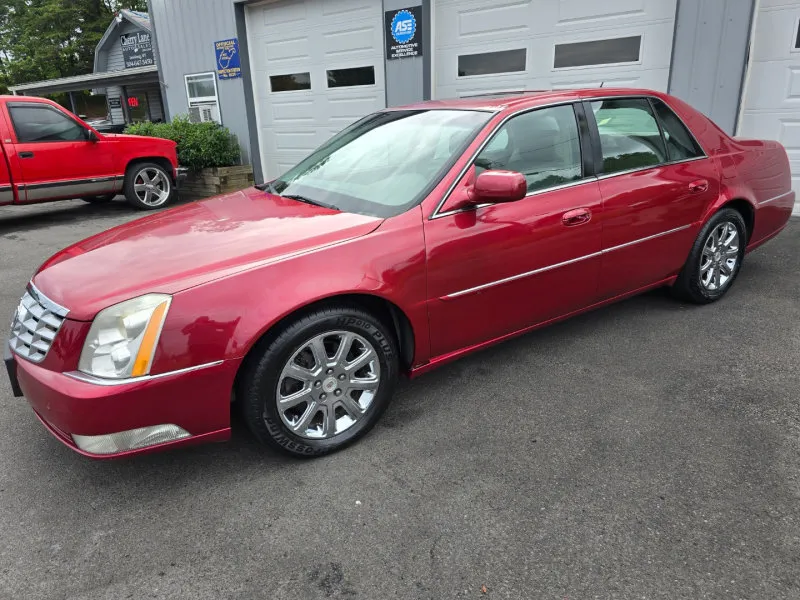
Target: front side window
[(542, 144), (44, 124), (385, 163), (629, 134), (680, 142)]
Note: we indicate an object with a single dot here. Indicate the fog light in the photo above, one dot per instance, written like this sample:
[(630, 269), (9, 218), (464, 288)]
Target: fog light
[(129, 440)]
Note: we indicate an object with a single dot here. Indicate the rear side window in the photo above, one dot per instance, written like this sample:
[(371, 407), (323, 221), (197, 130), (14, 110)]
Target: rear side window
[(44, 124), (542, 144), (680, 142), (629, 134)]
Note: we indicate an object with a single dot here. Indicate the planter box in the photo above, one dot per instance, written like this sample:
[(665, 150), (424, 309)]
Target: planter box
[(216, 180)]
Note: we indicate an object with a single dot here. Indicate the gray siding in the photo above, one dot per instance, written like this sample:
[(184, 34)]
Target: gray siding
[(709, 54), (111, 57), (185, 32)]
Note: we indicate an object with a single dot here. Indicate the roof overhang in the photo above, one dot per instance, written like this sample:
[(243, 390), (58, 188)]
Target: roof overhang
[(148, 74)]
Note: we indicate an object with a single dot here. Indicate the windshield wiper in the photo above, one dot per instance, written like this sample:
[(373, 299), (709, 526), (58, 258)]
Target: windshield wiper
[(307, 200), (266, 187)]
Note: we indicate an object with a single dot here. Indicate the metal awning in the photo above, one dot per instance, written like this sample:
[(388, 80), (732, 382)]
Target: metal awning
[(148, 74)]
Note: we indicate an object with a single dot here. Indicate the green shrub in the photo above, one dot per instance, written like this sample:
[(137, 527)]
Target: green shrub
[(200, 145)]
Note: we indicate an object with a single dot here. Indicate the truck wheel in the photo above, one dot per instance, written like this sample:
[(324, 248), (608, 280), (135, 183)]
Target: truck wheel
[(148, 186), (99, 199)]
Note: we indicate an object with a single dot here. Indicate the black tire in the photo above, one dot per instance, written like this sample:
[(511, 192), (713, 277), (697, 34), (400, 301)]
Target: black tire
[(258, 383), (99, 199), (164, 187), (689, 285)]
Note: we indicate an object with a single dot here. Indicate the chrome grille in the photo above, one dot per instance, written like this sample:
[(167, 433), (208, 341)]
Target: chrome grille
[(35, 325)]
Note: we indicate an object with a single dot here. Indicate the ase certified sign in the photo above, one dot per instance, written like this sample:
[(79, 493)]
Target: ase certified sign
[(403, 32)]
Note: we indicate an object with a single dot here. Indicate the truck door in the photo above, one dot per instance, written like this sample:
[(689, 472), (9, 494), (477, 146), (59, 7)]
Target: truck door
[(56, 157)]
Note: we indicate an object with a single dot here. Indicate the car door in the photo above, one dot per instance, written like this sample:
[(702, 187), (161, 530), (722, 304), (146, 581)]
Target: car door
[(655, 182), (55, 155), (499, 268)]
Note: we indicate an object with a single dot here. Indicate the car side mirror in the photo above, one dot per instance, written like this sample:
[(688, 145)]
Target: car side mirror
[(499, 186), (91, 136)]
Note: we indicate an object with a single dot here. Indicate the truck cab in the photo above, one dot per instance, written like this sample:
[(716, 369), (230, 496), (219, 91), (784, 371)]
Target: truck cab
[(47, 153)]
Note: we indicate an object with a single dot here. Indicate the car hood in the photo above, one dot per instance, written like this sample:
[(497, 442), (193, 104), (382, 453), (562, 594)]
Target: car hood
[(190, 245)]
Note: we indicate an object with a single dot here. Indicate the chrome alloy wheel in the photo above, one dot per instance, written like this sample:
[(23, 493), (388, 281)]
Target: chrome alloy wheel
[(152, 186), (328, 384), (720, 257)]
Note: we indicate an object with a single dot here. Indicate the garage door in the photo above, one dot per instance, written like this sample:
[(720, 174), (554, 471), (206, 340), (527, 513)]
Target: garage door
[(771, 107), (483, 47), (317, 66)]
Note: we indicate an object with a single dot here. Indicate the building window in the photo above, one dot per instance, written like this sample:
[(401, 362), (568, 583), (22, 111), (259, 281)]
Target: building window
[(489, 63), (598, 52), (201, 89), (629, 134), (542, 144), (290, 83), (351, 77)]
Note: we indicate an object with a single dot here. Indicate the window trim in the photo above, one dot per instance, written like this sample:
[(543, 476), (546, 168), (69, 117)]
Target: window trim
[(641, 36), (43, 106), (201, 99), (594, 138), (653, 101)]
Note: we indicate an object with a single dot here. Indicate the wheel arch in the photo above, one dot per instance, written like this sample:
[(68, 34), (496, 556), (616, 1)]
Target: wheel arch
[(747, 210), (387, 311), (161, 161)]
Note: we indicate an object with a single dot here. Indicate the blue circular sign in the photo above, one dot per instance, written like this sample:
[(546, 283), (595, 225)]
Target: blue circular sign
[(404, 26)]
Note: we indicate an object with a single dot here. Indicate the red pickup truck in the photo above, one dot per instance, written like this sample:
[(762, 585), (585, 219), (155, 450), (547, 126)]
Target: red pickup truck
[(47, 153)]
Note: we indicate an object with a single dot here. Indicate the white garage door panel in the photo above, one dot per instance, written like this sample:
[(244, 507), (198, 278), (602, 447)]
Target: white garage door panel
[(771, 108), (475, 27), (311, 36)]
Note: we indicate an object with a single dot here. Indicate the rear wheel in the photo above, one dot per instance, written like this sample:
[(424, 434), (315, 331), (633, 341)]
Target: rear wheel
[(322, 383), (148, 186), (715, 259)]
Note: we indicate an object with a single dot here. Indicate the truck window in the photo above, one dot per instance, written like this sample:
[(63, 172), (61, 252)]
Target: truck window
[(43, 123)]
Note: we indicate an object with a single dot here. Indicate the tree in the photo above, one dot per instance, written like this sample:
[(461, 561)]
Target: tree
[(45, 39)]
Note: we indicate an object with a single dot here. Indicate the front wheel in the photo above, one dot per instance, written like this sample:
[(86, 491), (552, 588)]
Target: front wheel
[(148, 186), (322, 383), (715, 259)]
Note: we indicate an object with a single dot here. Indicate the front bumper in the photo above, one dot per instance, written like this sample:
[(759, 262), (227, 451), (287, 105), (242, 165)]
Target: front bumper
[(196, 400), (181, 173)]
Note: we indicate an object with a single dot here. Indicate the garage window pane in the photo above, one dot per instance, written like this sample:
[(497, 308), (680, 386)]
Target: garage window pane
[(351, 77), (488, 63), (599, 52), (543, 145), (629, 135), (290, 83)]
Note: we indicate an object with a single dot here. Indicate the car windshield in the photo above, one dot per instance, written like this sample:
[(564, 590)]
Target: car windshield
[(385, 163)]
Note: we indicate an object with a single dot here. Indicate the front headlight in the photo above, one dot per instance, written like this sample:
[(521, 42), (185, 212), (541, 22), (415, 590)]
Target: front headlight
[(123, 338)]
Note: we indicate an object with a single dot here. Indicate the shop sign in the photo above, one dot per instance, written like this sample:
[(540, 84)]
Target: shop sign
[(229, 63), (137, 49), (403, 32), (114, 102)]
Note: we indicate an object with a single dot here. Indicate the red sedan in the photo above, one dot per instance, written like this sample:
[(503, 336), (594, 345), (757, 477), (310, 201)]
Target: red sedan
[(415, 236)]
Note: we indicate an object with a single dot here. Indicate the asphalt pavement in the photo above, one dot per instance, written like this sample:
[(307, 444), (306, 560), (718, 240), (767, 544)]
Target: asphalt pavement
[(647, 450)]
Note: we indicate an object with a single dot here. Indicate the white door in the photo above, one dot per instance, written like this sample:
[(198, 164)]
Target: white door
[(771, 108), (483, 47), (317, 67)]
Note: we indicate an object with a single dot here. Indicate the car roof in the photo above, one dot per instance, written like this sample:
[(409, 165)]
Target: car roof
[(501, 101)]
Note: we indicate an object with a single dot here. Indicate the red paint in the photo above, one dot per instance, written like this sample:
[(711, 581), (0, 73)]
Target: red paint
[(465, 277), (57, 164), (499, 186)]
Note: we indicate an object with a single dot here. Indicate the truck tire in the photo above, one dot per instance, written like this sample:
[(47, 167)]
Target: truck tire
[(148, 186)]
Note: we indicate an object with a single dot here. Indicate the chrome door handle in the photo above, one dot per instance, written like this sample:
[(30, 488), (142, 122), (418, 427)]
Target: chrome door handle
[(579, 216), (697, 187)]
